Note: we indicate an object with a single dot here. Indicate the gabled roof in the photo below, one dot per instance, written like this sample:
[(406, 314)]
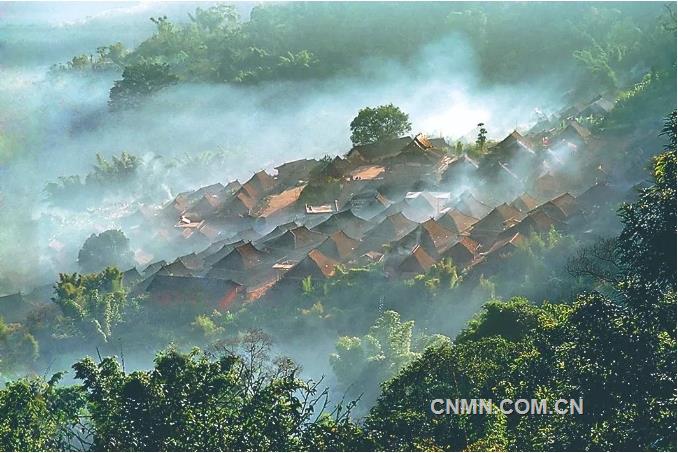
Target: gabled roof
[(233, 186), (471, 206), (547, 185), (259, 185), (315, 264), (438, 142), (130, 277), (153, 268), (339, 246), (275, 203), (429, 235), (345, 221), (418, 262), (242, 257), (297, 238), (395, 208), (337, 168), (456, 221), (185, 200), (277, 232), (463, 162), (598, 194), (176, 268), (561, 207), (380, 150), (567, 203), (292, 172), (501, 245), (215, 255), (241, 202), (418, 151), (500, 218), (367, 172), (218, 293), (524, 202), (537, 221), (421, 141), (191, 261), (392, 228), (513, 141)]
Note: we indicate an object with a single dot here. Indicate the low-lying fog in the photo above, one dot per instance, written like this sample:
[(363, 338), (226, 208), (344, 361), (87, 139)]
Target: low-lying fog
[(54, 125)]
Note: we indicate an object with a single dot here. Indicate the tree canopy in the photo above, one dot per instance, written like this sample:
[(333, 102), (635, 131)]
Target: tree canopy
[(375, 124)]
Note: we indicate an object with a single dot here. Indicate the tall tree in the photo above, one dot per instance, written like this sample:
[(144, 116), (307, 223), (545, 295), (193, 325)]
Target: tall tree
[(379, 123)]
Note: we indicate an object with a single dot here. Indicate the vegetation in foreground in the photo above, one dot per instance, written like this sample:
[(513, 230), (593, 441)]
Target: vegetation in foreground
[(618, 354)]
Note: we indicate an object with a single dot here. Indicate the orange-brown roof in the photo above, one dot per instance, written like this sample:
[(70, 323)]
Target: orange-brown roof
[(296, 238), (500, 245), (524, 202), (339, 246), (259, 184), (367, 172), (275, 203), (440, 236), (417, 262), (456, 221)]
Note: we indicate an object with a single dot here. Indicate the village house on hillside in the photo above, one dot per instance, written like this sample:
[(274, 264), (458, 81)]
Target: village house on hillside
[(469, 205), (392, 228), (295, 172), (242, 260), (279, 207), (345, 221), (455, 221), (377, 151), (524, 202), (458, 170), (574, 135), (315, 265), (388, 203), (339, 247), (177, 268), (430, 235), (216, 293), (294, 241), (417, 262), (489, 227), (462, 253)]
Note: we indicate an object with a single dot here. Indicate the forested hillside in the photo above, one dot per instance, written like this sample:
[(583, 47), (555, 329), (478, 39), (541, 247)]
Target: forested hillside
[(292, 226)]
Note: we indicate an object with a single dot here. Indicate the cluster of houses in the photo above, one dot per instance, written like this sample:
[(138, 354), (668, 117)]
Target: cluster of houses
[(406, 203)]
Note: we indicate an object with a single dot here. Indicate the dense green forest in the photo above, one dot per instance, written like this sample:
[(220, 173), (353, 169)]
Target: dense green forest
[(601, 45)]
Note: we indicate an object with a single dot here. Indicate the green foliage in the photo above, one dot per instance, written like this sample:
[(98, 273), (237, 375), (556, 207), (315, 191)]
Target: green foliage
[(648, 240), (17, 347), (482, 137), (190, 402), (376, 124), (106, 176), (93, 303), (442, 275), (206, 326), (108, 58), (619, 357), (307, 285), (378, 355), (109, 248), (138, 81), (119, 169), (39, 416)]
